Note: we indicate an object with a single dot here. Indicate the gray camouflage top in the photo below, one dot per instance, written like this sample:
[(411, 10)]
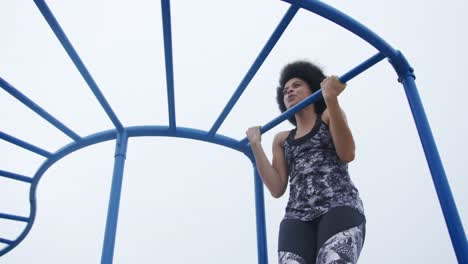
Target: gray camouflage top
[(318, 179)]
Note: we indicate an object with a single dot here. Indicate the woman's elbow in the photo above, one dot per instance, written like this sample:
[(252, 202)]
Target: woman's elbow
[(278, 193), (347, 157)]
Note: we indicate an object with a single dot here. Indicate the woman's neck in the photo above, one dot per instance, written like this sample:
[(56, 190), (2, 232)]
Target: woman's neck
[(305, 119)]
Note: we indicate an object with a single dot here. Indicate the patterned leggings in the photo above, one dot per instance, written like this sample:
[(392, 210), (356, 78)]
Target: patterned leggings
[(342, 248)]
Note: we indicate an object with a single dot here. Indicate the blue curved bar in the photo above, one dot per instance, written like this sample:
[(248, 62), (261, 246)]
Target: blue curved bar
[(55, 26), (135, 131), (37, 109)]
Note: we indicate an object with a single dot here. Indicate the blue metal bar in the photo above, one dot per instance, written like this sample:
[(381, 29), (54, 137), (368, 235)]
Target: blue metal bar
[(362, 67), (255, 66), (37, 109), (318, 94), (55, 26), (449, 208), (6, 241), (14, 217), (346, 22), (24, 145), (166, 17), (114, 200), (262, 250), (15, 176)]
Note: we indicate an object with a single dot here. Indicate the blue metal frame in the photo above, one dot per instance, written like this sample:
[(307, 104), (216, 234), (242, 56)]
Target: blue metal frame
[(121, 133)]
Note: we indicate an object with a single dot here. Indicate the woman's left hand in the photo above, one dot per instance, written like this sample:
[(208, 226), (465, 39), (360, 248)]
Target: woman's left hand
[(331, 87)]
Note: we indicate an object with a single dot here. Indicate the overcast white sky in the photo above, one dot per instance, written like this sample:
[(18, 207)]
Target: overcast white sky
[(193, 202)]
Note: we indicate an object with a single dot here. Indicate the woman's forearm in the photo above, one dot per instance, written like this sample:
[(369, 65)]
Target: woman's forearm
[(268, 173), (340, 132)]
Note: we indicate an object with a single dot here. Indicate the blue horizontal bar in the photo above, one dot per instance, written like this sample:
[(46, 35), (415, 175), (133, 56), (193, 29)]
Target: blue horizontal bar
[(318, 95), (24, 144), (37, 109), (55, 26), (362, 67), (15, 176), (14, 217), (166, 17), (6, 241), (255, 66)]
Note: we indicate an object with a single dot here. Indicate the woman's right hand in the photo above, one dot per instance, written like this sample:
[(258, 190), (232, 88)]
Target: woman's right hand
[(253, 134)]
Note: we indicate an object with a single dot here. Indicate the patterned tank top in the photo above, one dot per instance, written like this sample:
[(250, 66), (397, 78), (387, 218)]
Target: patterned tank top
[(318, 179)]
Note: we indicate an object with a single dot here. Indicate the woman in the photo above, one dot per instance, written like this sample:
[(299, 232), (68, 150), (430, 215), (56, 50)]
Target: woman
[(324, 220)]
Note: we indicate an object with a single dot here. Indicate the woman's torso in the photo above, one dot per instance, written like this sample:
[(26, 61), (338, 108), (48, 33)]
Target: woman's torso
[(318, 179)]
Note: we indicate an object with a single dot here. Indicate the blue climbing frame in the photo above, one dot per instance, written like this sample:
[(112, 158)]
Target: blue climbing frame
[(121, 133)]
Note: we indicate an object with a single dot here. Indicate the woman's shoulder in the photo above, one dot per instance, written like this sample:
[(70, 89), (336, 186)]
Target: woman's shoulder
[(280, 137)]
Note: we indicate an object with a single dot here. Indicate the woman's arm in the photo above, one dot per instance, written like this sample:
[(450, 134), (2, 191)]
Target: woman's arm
[(336, 119), (275, 175)]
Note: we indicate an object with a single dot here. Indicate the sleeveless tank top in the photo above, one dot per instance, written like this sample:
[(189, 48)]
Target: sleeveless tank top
[(318, 179)]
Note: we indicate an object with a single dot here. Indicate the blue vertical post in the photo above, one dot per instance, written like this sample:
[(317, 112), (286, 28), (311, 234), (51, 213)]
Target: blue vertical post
[(449, 209), (166, 16), (114, 200), (262, 253)]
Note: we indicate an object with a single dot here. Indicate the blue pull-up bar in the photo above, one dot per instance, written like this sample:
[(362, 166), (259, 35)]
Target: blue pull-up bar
[(318, 94)]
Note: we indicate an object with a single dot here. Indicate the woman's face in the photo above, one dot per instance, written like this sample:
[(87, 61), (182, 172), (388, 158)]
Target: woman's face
[(294, 91)]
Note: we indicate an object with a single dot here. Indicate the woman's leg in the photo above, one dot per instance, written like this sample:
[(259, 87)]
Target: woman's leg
[(297, 242), (343, 247), (290, 258)]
